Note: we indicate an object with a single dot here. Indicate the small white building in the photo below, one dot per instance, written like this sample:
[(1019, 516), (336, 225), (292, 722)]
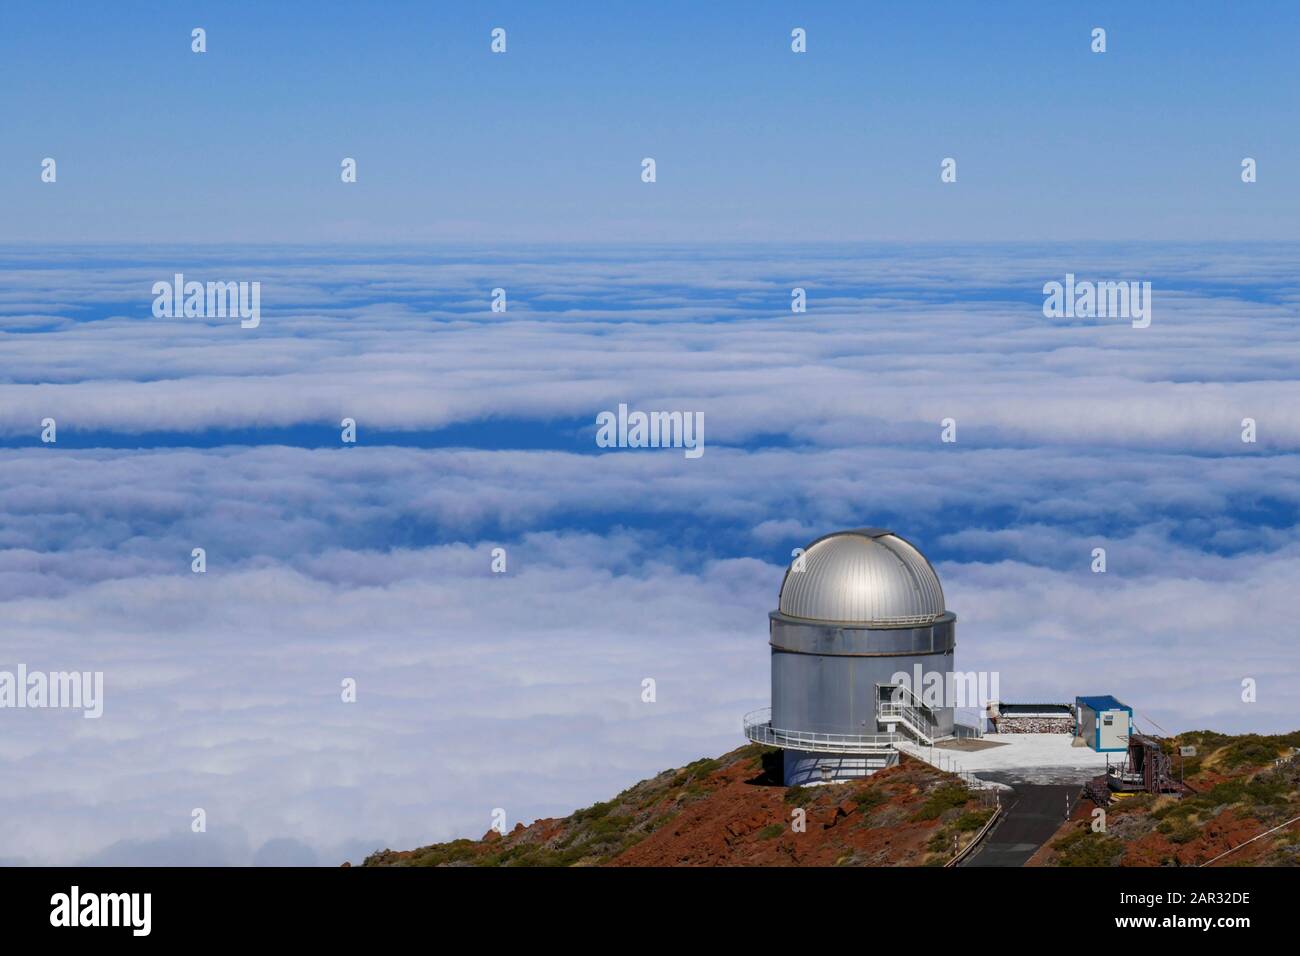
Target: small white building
[(1103, 723)]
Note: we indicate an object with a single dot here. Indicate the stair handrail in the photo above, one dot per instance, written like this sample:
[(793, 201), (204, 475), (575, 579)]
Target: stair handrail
[(909, 709)]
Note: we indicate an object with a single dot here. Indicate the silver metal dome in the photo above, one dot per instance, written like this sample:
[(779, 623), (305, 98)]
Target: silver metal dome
[(868, 577)]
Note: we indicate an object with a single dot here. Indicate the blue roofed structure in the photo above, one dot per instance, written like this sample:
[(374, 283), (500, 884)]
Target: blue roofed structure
[(1103, 702), (1103, 723)]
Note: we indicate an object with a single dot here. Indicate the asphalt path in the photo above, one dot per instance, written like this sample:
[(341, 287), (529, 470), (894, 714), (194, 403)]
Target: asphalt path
[(1031, 813)]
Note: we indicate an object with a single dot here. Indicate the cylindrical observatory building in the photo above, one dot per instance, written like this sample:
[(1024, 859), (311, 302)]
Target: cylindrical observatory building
[(857, 609)]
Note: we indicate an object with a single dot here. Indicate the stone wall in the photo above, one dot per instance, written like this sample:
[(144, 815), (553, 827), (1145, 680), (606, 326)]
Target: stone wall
[(1024, 724)]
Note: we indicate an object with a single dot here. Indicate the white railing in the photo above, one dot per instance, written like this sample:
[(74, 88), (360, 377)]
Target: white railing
[(917, 723), (759, 729), (906, 708)]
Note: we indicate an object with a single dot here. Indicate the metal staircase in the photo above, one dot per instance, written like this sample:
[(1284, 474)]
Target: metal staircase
[(904, 710)]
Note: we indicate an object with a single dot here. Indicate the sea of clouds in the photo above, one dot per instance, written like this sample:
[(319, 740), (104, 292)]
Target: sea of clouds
[(476, 430)]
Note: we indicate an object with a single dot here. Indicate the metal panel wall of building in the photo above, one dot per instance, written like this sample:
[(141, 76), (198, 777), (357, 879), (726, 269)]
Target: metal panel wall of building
[(824, 676)]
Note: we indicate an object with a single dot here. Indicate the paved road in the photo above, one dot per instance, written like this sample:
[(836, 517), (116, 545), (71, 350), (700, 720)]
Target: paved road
[(1030, 814)]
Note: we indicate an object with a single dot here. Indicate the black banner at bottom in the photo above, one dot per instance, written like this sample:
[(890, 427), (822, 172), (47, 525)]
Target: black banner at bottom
[(336, 905)]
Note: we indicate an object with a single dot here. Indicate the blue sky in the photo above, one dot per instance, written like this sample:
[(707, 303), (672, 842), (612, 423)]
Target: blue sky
[(545, 142), (476, 429)]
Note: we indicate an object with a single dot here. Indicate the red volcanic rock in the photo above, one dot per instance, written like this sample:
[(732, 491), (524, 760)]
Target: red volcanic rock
[(731, 811)]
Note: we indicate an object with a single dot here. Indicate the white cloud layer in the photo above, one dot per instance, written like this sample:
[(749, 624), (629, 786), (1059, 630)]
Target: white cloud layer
[(889, 347), (523, 690)]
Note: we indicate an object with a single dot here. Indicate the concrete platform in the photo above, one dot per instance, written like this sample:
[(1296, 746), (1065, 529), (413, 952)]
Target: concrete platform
[(1021, 758)]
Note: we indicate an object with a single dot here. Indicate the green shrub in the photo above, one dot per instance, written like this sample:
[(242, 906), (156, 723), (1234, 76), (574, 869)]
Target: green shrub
[(771, 831), (1137, 803), (755, 753), (608, 826), (972, 820), (1220, 795), (1251, 750), (941, 842), (659, 821), (941, 799), (1085, 848), (1204, 739), (695, 772), (593, 812), (868, 798), (798, 796), (1178, 830), (702, 767), (1268, 789), (457, 851)]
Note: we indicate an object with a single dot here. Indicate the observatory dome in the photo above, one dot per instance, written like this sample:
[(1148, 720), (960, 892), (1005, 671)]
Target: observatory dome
[(868, 577)]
